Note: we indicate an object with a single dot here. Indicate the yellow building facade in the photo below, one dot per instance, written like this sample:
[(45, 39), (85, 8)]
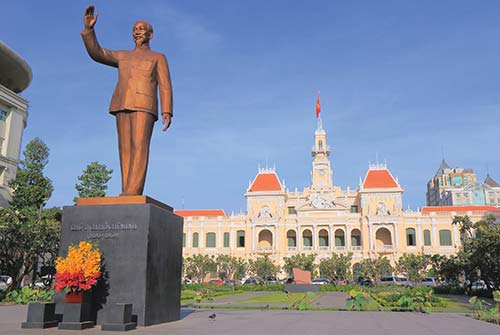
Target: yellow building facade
[(323, 219)]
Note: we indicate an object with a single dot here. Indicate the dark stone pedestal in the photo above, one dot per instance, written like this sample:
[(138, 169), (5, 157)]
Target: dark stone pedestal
[(142, 257), (301, 288), (77, 317), (118, 317), (40, 315)]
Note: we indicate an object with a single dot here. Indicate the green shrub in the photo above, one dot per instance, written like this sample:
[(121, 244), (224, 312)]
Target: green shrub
[(26, 295)]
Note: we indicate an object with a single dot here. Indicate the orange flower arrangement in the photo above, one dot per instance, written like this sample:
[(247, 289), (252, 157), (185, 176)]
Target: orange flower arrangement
[(80, 269)]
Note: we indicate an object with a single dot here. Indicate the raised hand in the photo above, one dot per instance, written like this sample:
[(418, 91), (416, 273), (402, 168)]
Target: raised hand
[(89, 19)]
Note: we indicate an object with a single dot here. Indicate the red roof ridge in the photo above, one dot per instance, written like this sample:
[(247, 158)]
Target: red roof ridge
[(379, 176), (265, 180), (200, 212)]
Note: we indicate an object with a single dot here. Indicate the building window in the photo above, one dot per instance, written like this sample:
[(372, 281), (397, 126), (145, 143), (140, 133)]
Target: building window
[(210, 240), (307, 238), (356, 238), (291, 210), (457, 180), (226, 240), (445, 237), (440, 181), (240, 238), (466, 180), (183, 240), (3, 116), (291, 237), (339, 238), (448, 181), (354, 209), (427, 237), (410, 237), (195, 240), (323, 238)]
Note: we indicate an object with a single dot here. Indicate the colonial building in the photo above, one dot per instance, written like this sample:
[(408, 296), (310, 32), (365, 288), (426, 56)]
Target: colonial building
[(324, 218), (15, 77)]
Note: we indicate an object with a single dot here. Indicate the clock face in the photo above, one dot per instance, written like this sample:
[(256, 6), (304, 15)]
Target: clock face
[(321, 172)]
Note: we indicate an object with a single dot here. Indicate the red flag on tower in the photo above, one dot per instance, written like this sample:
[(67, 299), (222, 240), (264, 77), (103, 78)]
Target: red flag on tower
[(318, 107)]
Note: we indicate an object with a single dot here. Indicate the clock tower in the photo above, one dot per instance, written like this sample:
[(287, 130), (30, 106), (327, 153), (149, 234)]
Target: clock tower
[(321, 169)]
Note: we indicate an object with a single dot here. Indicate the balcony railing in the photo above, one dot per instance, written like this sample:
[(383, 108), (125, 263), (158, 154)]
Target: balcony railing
[(264, 248), (292, 248), (324, 247), (355, 247), (307, 248), (339, 247)]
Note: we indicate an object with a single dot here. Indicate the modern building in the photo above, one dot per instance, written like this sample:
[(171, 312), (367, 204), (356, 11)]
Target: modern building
[(324, 218), (446, 179), (15, 77), (478, 194)]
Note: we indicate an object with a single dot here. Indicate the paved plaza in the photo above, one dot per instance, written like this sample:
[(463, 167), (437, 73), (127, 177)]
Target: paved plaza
[(251, 322)]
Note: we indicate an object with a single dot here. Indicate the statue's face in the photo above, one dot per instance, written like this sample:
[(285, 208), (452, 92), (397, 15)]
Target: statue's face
[(142, 33)]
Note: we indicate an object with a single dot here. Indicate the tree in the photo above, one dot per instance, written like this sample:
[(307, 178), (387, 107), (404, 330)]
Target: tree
[(374, 269), (263, 267), (413, 266), (31, 189), (465, 225), (228, 267), (336, 268), (199, 266), (480, 254), (28, 234), (93, 181), (300, 261)]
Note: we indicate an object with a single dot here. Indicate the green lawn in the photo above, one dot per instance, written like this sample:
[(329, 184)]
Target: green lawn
[(280, 298), (452, 305)]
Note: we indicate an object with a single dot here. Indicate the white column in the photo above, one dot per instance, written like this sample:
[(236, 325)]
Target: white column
[(189, 236), (315, 237), (455, 235), (231, 237), (395, 226), (419, 234), (219, 235), (201, 238), (253, 238), (370, 231), (299, 238), (276, 237), (331, 237), (347, 238), (434, 234)]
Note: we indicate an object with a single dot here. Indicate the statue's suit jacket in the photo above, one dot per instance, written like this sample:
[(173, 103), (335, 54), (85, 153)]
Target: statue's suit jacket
[(140, 73)]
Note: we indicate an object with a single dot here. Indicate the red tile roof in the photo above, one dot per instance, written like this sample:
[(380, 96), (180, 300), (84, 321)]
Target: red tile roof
[(429, 209), (201, 212), (265, 182), (379, 179)]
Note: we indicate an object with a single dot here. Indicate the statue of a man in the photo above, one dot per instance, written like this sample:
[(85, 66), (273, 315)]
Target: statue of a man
[(141, 74)]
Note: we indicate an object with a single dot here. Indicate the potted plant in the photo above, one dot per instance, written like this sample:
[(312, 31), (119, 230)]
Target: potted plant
[(78, 272)]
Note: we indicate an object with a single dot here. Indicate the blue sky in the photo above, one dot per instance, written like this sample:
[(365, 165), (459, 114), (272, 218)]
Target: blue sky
[(400, 80)]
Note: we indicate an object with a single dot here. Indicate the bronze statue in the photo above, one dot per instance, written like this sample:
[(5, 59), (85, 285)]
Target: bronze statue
[(141, 73)]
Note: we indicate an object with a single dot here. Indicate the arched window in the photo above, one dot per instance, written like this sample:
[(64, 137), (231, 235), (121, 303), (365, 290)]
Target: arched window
[(265, 239), (410, 237), (445, 237), (291, 238), (240, 238), (339, 238), (307, 238), (210, 240), (427, 237), (383, 239), (183, 240), (226, 240), (355, 238), (323, 238), (195, 240)]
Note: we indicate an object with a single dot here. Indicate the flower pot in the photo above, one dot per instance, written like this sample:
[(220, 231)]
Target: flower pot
[(77, 297)]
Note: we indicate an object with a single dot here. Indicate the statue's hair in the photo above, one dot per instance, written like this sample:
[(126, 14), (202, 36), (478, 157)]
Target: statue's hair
[(148, 25)]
